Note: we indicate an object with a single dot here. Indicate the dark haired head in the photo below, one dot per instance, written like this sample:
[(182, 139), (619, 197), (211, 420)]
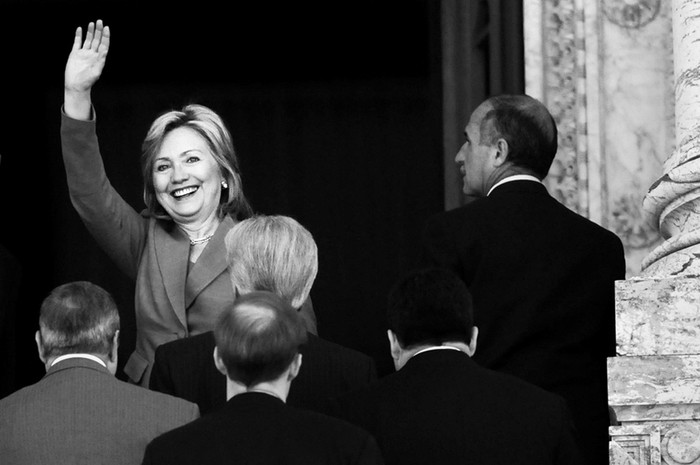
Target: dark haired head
[(428, 307), (258, 338), (527, 127)]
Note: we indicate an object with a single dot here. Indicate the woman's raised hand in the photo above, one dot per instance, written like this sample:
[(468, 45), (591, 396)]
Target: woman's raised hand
[(84, 67)]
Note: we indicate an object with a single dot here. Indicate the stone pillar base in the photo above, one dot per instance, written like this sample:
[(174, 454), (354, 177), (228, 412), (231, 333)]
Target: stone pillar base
[(654, 382)]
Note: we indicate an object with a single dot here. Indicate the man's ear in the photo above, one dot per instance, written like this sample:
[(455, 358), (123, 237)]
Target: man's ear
[(471, 348), (501, 152), (294, 367), (39, 347), (394, 346), (114, 354), (219, 363)]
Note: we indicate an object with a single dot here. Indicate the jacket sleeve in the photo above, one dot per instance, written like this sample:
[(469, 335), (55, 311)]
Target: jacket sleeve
[(117, 227)]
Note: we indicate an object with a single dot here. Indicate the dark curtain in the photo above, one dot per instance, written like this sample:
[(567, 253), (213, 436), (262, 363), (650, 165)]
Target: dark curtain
[(336, 112)]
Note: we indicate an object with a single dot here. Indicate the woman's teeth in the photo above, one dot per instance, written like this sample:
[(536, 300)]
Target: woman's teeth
[(183, 192)]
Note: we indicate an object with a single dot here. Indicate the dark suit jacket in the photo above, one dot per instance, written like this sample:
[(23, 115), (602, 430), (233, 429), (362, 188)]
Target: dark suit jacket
[(443, 408), (185, 368), (259, 428), (543, 279), (79, 413)]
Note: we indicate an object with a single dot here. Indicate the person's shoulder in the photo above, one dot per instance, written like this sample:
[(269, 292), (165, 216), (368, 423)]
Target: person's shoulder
[(519, 391), (316, 343), (471, 205), (187, 344), (18, 397), (139, 394), (179, 436), (352, 365), (475, 211), (327, 423), (591, 228), (361, 399)]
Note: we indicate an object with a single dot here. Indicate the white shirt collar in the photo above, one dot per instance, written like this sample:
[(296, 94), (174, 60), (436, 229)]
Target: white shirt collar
[(428, 349), (515, 177), (87, 356)]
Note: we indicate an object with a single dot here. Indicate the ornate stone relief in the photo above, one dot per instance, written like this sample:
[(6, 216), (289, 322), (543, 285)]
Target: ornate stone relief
[(561, 70), (630, 222), (631, 14)]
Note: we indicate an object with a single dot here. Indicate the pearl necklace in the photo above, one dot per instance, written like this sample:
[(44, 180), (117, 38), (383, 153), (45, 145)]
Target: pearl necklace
[(201, 240)]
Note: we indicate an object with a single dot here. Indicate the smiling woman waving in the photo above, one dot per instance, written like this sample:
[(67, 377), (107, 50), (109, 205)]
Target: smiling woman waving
[(174, 249)]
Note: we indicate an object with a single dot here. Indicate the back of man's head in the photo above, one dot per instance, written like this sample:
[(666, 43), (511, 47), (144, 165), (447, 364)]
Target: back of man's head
[(428, 307), (258, 338), (272, 253), (78, 317), (527, 126)]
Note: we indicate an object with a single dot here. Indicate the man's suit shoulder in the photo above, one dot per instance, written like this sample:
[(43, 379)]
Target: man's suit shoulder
[(147, 403), (171, 402), (485, 210), (353, 358), (508, 388), (186, 347), (301, 431)]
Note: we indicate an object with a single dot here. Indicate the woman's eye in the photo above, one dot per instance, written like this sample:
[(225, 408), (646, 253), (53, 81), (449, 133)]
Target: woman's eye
[(161, 167), (192, 159)]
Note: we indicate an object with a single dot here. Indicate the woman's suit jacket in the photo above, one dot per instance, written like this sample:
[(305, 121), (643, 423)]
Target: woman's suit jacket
[(170, 301)]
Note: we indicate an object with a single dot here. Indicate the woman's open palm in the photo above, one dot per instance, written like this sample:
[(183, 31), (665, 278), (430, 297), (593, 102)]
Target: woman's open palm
[(87, 58)]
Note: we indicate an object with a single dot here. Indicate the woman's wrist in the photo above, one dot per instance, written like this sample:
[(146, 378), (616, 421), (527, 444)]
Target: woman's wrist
[(77, 104)]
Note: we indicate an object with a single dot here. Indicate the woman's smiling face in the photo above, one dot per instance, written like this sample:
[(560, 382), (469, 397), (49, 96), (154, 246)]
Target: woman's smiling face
[(186, 177)]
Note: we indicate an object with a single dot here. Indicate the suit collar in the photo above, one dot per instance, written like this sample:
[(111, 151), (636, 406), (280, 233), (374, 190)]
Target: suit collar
[(433, 358), (172, 252), (94, 358), (520, 186), (76, 363), (255, 401), (514, 177)]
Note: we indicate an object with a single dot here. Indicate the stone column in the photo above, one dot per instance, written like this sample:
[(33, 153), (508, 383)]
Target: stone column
[(654, 382), (673, 201)]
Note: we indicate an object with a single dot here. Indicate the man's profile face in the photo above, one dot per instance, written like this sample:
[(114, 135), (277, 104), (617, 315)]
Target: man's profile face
[(473, 157)]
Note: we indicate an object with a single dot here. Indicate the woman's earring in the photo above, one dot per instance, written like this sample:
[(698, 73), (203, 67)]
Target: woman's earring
[(224, 185)]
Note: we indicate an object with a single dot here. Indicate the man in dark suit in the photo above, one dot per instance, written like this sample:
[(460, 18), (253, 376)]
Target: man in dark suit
[(442, 407), (79, 412), (541, 275), (277, 254), (257, 349)]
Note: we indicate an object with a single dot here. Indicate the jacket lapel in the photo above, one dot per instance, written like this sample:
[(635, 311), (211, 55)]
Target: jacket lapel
[(210, 264), (172, 252)]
